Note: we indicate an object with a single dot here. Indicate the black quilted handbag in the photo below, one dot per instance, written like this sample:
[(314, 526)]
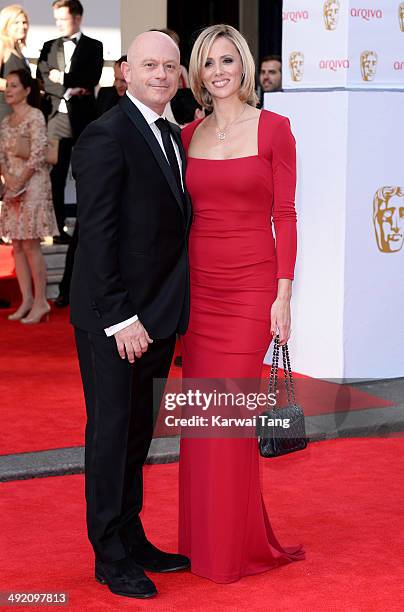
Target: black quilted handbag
[(274, 439)]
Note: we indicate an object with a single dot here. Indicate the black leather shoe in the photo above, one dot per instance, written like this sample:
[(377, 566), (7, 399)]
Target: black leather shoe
[(61, 301), (152, 559), (125, 578)]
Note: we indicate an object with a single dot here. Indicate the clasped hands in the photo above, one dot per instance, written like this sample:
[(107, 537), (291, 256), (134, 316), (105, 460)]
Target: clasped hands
[(13, 183), (132, 341), (12, 186), (57, 76)]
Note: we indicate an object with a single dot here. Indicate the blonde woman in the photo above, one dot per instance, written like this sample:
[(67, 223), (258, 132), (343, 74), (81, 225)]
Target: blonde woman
[(241, 177), (14, 26)]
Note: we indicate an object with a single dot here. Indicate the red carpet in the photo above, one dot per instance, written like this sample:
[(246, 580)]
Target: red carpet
[(341, 498), (8, 281), (7, 266), (42, 404)]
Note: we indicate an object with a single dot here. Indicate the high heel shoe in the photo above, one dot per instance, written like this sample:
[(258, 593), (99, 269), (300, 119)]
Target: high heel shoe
[(39, 318), (17, 316)]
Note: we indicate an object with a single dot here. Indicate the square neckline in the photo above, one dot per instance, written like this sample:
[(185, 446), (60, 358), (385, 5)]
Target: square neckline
[(231, 158)]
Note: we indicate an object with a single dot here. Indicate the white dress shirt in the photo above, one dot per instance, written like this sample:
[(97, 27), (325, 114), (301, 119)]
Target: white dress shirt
[(69, 48), (151, 117)]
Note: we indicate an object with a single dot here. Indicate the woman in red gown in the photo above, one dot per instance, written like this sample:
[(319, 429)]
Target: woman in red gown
[(240, 175)]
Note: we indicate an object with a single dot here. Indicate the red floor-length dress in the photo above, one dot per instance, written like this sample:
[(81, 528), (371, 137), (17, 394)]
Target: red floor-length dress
[(234, 267)]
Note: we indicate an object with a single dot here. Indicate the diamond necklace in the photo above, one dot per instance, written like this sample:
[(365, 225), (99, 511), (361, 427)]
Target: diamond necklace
[(221, 134)]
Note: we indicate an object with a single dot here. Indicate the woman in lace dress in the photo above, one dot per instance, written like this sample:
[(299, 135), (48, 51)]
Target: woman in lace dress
[(27, 212)]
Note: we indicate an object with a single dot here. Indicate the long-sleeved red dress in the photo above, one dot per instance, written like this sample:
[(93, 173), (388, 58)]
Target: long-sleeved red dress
[(234, 267)]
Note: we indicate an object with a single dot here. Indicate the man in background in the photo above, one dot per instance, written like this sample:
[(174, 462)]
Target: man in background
[(109, 96), (270, 74), (70, 67)]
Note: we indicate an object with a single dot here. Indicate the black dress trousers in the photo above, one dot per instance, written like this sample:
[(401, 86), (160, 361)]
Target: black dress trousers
[(119, 404)]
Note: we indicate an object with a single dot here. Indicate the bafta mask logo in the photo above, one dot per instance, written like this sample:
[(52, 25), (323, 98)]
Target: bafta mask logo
[(296, 64), (368, 65), (388, 218), (331, 12), (401, 15)]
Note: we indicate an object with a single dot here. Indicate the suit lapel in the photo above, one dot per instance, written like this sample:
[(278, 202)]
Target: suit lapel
[(60, 55), (77, 51), (177, 137), (140, 123)]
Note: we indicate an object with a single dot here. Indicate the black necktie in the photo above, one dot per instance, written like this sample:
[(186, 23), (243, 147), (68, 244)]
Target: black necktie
[(67, 38), (164, 128)]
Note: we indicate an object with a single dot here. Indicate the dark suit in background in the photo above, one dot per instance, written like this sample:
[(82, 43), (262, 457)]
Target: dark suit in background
[(107, 97), (131, 259), (85, 72)]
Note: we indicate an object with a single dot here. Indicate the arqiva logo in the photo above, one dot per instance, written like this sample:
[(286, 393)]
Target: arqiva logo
[(366, 13), (295, 16), (334, 64)]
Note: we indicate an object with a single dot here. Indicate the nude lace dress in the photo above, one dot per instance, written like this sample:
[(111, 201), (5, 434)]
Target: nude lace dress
[(33, 215)]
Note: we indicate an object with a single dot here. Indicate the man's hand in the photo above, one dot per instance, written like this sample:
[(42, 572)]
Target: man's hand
[(55, 76), (132, 341), (79, 91)]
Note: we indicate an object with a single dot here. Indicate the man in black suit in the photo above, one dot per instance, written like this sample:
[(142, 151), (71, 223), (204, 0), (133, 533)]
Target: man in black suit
[(107, 97), (70, 68), (129, 298)]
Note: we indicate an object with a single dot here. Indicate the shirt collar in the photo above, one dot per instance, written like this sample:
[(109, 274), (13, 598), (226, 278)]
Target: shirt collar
[(150, 115), (75, 36)]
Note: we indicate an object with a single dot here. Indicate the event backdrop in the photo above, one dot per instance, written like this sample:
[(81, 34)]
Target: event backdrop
[(343, 80), (348, 293), (343, 43)]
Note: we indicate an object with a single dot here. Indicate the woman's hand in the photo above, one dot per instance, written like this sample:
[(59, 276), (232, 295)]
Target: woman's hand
[(13, 183), (280, 311)]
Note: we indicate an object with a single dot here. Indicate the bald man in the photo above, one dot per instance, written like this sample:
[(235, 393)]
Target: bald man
[(129, 298)]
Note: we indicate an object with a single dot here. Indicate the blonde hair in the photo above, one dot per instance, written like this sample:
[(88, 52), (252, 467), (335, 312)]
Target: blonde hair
[(200, 53), (7, 15)]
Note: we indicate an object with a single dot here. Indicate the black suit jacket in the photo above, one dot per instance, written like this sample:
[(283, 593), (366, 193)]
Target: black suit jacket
[(85, 71), (132, 254), (107, 97)]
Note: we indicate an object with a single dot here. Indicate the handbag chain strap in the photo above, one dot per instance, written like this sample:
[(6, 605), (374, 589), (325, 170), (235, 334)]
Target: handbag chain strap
[(289, 382), (273, 377)]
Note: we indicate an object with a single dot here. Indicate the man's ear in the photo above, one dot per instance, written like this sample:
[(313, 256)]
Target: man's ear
[(125, 68)]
